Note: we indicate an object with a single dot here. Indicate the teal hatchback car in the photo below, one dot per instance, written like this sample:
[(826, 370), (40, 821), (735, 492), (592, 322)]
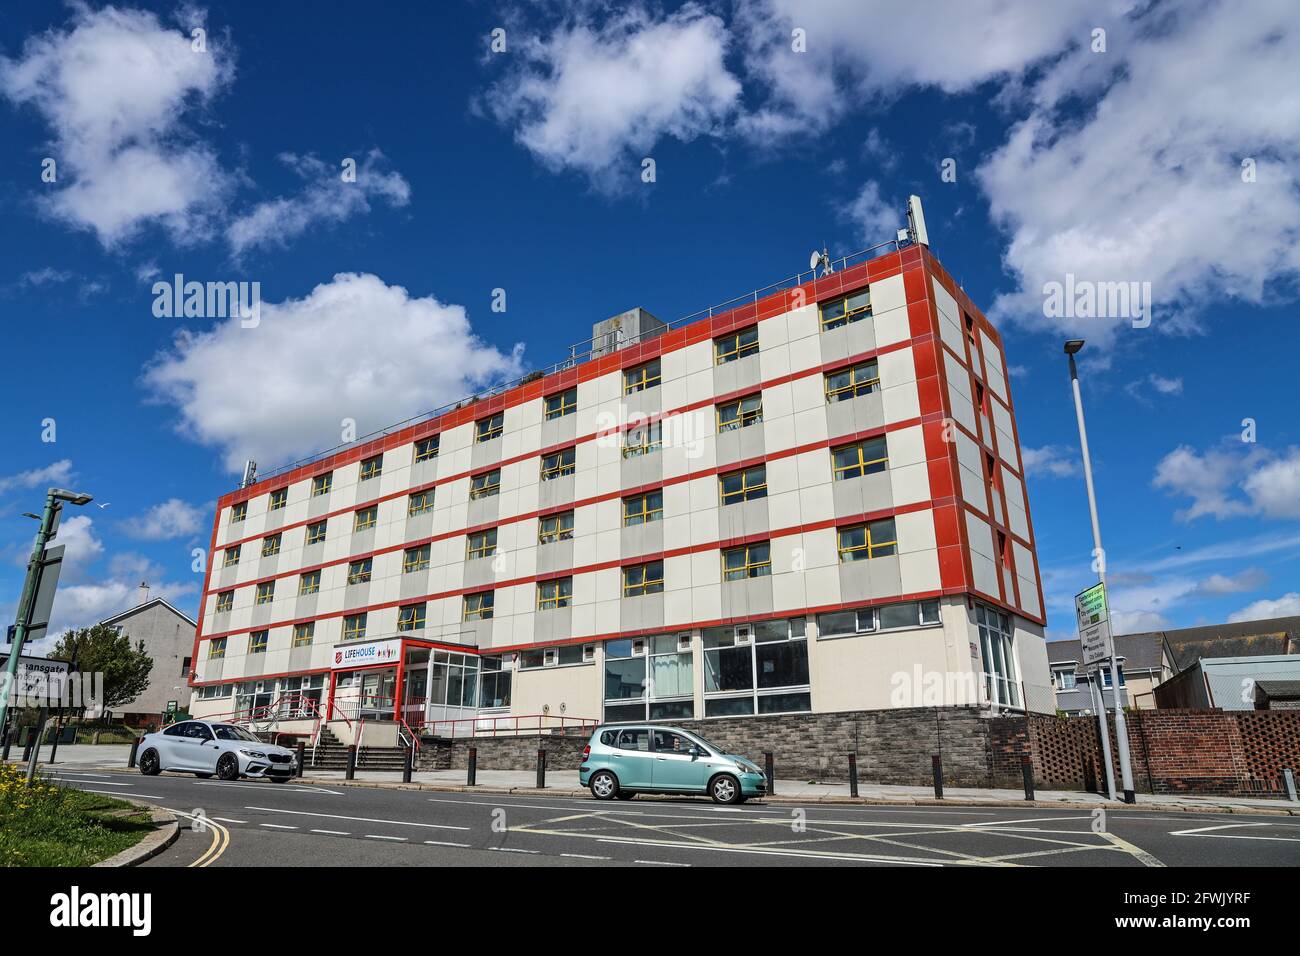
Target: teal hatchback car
[(622, 760)]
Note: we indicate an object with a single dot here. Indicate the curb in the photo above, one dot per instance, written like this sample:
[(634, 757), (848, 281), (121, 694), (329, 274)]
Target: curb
[(153, 844), (830, 800)]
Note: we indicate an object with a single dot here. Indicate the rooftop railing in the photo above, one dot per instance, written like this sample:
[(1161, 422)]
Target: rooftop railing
[(583, 351)]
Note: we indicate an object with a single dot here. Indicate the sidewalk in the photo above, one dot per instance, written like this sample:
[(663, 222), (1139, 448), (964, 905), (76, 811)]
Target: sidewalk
[(564, 783)]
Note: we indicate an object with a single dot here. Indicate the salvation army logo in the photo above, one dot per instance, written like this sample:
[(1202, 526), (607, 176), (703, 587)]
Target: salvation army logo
[(338, 657)]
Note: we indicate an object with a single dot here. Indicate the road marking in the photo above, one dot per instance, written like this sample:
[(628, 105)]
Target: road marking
[(220, 837), (1003, 823), (1204, 832), (337, 816), (333, 832), (444, 843), (1142, 855), (229, 820), (659, 863), (584, 856), (117, 793), (846, 857), (1225, 826), (377, 836), (109, 783), (511, 849), (276, 826)]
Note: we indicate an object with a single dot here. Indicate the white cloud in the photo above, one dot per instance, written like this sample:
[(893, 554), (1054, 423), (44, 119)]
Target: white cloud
[(876, 221), (325, 198), (114, 86), (1229, 481), (57, 474), (82, 546), (81, 605), (1166, 386), (1052, 460), (1248, 579), (858, 51), (172, 518), (354, 348), (1128, 166), (596, 96), (1287, 605)]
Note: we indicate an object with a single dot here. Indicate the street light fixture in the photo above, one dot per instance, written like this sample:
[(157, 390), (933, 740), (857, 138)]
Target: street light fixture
[(1072, 348)]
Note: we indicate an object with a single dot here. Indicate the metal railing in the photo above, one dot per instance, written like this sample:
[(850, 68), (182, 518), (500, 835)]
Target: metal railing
[(583, 351), (508, 725)]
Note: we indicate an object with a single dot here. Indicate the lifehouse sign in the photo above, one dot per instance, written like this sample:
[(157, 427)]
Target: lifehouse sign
[(359, 655)]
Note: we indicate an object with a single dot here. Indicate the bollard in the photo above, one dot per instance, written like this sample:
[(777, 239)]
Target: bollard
[(41, 719), (27, 747), (472, 776), (9, 739), (1288, 780), (352, 763), (541, 769), (406, 765), (853, 775), (770, 769), (936, 764), (1027, 772), (302, 758), (54, 745), (1089, 778), (135, 748)]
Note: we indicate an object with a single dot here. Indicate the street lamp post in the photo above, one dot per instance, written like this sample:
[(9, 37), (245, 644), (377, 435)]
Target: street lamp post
[(1121, 727), (54, 499)]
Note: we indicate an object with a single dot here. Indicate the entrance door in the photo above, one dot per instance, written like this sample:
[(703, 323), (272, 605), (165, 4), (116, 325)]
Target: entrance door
[(377, 693)]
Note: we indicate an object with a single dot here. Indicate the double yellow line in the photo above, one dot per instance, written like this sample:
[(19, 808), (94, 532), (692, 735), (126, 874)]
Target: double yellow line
[(220, 837)]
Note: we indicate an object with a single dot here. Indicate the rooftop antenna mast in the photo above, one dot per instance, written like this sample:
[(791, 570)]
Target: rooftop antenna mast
[(820, 260), (250, 473)]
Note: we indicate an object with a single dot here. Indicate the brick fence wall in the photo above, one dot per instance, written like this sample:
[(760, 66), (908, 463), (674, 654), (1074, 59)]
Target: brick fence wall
[(1233, 753)]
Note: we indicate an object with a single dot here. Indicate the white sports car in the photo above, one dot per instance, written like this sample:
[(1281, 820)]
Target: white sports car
[(207, 749)]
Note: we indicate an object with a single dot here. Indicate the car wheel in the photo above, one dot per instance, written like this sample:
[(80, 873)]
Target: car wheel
[(604, 785), (228, 767), (626, 794), (724, 788), (150, 766), (204, 776)]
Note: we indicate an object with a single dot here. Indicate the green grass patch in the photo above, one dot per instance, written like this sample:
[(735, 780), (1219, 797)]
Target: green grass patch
[(47, 825)]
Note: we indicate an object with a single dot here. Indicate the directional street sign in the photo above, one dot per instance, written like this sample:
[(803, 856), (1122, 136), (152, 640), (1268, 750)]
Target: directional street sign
[(1094, 624)]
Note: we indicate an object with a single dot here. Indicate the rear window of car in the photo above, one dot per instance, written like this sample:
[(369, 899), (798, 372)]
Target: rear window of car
[(638, 739), (608, 737)]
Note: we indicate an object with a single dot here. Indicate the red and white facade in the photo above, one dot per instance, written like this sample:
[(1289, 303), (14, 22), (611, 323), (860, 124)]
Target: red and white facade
[(768, 602)]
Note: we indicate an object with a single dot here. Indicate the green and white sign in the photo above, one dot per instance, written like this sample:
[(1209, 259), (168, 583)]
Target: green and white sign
[(1093, 612)]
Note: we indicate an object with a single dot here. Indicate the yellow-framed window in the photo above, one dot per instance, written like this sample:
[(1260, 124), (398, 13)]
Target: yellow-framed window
[(741, 412), (366, 518), (371, 468), (279, 498), (554, 594), (321, 484), (316, 532), (478, 606), (553, 528), (225, 601), (737, 345), (271, 545), (416, 559), (861, 379), (642, 377), (485, 485), (309, 582), (639, 509), (640, 579), (427, 448), (232, 556), (642, 439), (748, 484), (560, 463), (747, 561), (481, 544), (216, 648), (304, 634), (360, 572), (419, 503), (354, 627), (486, 429), (874, 539), (561, 404), (257, 642), (238, 512), (265, 593), (411, 617), (866, 457), (845, 309)]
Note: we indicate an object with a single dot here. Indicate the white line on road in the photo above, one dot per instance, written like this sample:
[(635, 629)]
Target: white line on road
[(511, 849), (228, 820), (659, 863), (337, 816), (444, 843), (109, 783), (333, 832), (276, 826), (1225, 826), (115, 793), (377, 836), (584, 856)]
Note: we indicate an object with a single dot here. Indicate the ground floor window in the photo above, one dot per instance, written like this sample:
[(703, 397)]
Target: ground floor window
[(649, 678), (756, 668), (252, 698), (494, 683), (997, 649), (303, 695)]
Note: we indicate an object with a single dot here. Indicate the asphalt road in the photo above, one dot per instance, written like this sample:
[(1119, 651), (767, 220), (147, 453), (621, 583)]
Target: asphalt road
[(255, 823)]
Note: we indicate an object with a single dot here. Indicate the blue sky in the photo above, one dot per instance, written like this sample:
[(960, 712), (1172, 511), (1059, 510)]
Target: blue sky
[(1156, 155)]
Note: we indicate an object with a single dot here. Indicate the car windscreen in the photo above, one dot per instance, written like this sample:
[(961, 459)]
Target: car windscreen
[(227, 732), (709, 744)]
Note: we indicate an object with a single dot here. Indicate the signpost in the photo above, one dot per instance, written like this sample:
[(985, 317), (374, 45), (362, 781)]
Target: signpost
[(1094, 624)]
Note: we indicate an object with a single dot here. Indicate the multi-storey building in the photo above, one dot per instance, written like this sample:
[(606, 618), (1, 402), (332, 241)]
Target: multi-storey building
[(810, 502)]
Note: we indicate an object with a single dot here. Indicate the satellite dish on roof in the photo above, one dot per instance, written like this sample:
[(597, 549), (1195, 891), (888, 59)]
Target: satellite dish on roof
[(820, 259)]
